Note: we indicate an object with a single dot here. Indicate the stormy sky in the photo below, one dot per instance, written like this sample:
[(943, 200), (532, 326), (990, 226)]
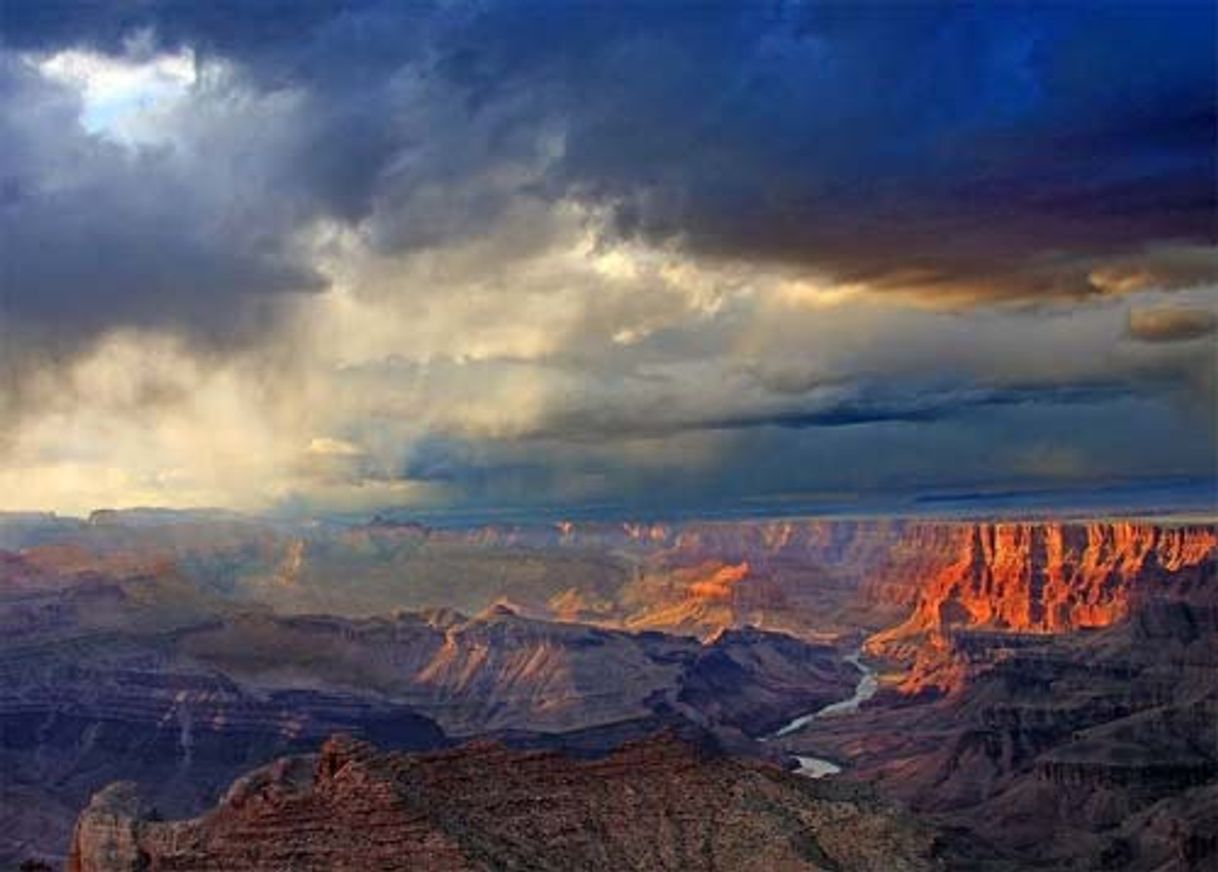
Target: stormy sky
[(303, 255)]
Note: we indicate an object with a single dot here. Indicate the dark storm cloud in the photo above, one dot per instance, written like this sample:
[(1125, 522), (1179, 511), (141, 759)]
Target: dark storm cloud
[(847, 406), (94, 234), (321, 112), (199, 234), (928, 408), (229, 27), (1020, 443), (968, 150)]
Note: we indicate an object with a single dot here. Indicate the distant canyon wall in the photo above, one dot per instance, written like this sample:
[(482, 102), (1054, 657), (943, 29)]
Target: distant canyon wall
[(917, 577), (905, 577), (1058, 577)]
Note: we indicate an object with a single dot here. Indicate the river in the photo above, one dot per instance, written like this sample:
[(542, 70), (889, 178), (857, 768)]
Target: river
[(818, 767)]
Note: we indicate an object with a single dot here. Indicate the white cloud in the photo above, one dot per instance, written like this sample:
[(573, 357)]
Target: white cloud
[(121, 92)]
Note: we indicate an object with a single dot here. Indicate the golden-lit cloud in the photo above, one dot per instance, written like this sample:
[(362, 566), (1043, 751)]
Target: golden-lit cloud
[(1172, 324), (599, 364)]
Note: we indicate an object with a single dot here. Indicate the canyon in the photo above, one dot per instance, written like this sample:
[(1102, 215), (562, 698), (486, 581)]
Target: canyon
[(1059, 698), (1038, 691)]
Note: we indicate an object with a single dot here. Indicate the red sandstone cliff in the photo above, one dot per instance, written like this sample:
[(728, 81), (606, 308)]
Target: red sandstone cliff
[(1051, 577)]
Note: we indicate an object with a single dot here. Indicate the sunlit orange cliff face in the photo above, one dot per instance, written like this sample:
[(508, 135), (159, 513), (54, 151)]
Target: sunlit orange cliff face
[(1050, 577)]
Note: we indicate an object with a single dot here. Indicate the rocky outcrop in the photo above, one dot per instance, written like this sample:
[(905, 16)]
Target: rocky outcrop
[(76, 715), (1051, 578), (656, 804), (108, 834)]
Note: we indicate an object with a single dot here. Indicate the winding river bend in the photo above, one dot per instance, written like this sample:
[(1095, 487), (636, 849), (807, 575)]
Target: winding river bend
[(818, 767)]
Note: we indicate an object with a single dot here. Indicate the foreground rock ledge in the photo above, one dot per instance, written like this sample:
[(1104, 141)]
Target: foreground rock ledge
[(655, 804)]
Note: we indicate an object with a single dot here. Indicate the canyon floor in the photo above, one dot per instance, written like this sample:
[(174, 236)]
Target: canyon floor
[(191, 690)]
